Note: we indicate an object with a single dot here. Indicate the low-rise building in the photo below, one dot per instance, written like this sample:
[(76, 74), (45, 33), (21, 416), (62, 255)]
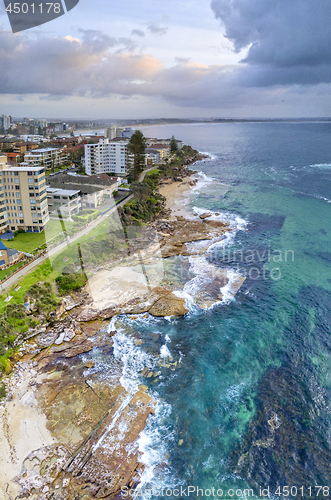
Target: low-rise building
[(65, 202), (154, 155), (162, 149), (8, 256), (94, 190), (46, 157), (23, 147)]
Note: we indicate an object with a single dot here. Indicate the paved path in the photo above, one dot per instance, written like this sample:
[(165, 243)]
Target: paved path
[(61, 246), (70, 239)]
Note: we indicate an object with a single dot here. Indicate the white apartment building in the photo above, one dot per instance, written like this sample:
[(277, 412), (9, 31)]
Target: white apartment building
[(5, 122), (3, 204), (24, 191), (42, 123), (66, 202), (45, 157), (107, 157)]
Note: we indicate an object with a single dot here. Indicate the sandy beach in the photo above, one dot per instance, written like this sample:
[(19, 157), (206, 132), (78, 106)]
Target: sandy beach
[(177, 195)]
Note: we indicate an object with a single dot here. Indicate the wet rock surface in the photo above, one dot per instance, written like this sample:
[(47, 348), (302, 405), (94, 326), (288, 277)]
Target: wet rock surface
[(93, 420)]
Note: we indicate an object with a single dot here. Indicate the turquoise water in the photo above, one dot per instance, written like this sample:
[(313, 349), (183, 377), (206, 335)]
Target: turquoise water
[(248, 404)]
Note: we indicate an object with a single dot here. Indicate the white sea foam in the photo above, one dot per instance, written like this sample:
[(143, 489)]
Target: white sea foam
[(202, 180), (133, 360), (154, 443), (184, 294), (228, 291), (164, 352), (321, 165)]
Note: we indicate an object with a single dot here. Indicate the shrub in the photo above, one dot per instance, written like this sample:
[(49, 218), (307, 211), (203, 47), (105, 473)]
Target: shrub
[(70, 282), (21, 231), (3, 392)]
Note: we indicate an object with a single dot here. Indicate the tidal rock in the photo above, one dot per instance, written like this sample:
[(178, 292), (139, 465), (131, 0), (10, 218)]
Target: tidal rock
[(170, 305), (205, 215), (41, 468)]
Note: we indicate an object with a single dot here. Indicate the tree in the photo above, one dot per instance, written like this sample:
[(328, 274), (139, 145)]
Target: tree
[(141, 190), (173, 145), (136, 147)]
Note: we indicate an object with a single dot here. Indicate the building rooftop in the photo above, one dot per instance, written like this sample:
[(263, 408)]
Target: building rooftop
[(159, 146), (19, 168), (42, 150), (84, 180), (77, 187), (62, 192)]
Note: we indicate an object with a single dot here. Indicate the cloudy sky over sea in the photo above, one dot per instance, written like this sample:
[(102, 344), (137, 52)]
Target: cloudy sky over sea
[(180, 58)]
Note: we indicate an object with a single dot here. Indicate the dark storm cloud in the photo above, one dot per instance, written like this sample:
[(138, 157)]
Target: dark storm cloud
[(288, 41)]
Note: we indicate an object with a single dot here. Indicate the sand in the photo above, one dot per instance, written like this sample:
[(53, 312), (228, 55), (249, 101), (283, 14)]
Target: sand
[(177, 195)]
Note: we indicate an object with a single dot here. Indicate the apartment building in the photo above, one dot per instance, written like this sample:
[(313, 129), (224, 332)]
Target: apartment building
[(45, 157), (94, 191), (23, 188), (66, 202), (107, 156), (6, 122), (3, 204), (162, 149), (23, 147)]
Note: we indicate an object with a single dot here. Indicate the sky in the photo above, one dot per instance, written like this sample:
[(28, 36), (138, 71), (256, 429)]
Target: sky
[(173, 59)]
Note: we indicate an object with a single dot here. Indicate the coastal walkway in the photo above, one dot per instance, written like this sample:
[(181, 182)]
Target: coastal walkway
[(6, 285)]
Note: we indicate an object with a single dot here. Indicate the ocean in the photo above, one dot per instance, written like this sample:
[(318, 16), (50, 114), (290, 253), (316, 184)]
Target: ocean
[(245, 411)]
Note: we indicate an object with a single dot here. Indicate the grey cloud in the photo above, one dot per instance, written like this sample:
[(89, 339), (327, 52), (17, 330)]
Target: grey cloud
[(57, 68), (180, 60), (138, 33), (155, 29), (284, 38)]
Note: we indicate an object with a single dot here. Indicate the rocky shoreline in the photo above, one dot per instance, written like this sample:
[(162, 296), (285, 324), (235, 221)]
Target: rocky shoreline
[(66, 431)]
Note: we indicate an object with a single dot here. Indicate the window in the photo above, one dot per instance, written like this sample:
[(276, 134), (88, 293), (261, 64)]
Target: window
[(15, 173), (20, 214), (30, 181), (17, 188), (56, 197), (33, 208), (33, 202), (29, 173), (31, 194), (21, 221), (16, 180)]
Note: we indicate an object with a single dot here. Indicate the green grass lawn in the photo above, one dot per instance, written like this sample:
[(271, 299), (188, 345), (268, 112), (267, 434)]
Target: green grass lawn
[(7, 272), (27, 242), (56, 169), (44, 272)]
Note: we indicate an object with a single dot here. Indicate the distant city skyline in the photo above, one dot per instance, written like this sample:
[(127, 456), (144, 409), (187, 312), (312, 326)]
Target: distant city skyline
[(174, 60)]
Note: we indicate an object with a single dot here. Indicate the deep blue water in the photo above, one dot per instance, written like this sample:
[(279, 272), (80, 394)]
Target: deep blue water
[(248, 404)]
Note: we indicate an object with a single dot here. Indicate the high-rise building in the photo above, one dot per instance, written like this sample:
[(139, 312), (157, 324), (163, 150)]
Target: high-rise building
[(5, 122), (42, 123), (3, 204), (24, 191), (111, 132), (107, 157)]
